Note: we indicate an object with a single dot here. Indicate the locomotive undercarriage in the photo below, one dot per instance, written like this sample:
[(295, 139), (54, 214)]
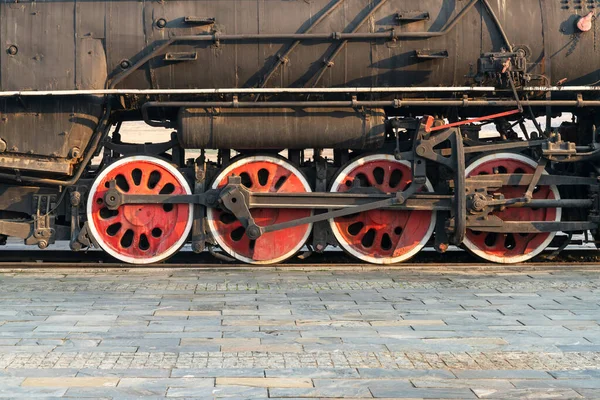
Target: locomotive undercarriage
[(502, 198)]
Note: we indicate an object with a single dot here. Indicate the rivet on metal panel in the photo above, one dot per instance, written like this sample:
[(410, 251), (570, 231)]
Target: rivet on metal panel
[(75, 152), (161, 23), (12, 50)]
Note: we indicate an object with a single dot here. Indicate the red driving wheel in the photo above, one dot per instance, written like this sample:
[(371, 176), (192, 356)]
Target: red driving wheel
[(261, 174), (381, 236), (140, 233), (509, 248)]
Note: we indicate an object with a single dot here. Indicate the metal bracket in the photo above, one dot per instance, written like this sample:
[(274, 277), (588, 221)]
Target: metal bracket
[(75, 200), (198, 228), (127, 149), (426, 54), (43, 223), (411, 16), (181, 56), (424, 145), (321, 228), (536, 178), (85, 238), (199, 20)]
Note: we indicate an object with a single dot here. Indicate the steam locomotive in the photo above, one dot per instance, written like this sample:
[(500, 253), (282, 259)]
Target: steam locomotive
[(350, 123)]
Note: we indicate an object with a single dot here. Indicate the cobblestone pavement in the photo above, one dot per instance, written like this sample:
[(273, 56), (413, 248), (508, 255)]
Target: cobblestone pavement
[(267, 333)]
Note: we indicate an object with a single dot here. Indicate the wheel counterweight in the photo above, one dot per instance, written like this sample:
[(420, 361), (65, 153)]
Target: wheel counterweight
[(140, 233), (509, 248), (261, 174), (381, 236)]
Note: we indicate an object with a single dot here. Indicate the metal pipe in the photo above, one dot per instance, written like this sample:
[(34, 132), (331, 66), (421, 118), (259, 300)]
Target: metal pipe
[(349, 90), (355, 103), (370, 103)]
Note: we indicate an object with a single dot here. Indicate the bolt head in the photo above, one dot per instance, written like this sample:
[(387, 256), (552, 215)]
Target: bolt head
[(196, 248), (75, 152), (161, 23), (12, 50), (125, 64), (211, 199), (42, 244), (253, 232)]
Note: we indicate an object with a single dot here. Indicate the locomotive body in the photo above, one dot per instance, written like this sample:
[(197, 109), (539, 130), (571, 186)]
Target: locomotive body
[(397, 88)]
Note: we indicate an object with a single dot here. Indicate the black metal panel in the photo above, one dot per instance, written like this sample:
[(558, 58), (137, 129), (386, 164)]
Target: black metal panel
[(55, 38), (43, 34)]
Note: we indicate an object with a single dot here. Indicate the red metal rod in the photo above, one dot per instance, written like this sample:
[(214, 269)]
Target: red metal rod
[(429, 128)]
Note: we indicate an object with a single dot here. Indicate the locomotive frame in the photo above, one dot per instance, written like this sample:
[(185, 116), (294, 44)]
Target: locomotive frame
[(444, 139)]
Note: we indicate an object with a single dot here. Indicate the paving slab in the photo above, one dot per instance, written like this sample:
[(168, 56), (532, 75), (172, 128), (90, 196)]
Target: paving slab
[(291, 334)]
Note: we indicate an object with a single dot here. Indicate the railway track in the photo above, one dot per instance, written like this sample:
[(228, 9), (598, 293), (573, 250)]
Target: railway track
[(453, 260)]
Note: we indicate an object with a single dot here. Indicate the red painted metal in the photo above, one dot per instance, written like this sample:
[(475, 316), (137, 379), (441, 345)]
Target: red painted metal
[(512, 245), (383, 235), (430, 128), (584, 24), (154, 228), (260, 175)]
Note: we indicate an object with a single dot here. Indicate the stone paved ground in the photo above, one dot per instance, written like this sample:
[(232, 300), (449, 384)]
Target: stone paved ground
[(251, 334)]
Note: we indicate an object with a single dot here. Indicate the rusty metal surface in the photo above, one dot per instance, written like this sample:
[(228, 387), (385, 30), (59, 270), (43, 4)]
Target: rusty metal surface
[(47, 136)]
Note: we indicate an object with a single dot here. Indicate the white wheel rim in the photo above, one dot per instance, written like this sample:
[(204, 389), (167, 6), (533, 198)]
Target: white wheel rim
[(211, 215), (338, 235), (522, 258), (98, 238)]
